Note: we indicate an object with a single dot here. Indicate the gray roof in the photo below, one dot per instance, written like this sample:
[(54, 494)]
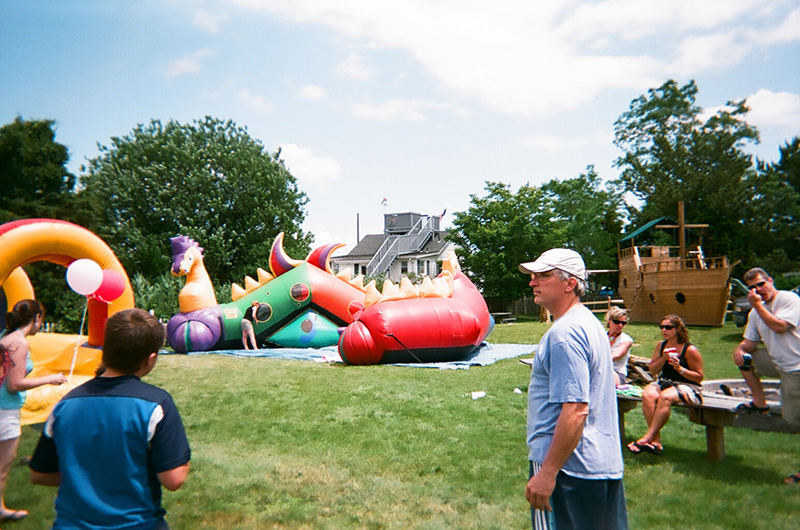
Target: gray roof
[(366, 248), (369, 245)]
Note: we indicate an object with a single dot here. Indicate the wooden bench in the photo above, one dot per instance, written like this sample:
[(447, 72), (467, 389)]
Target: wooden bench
[(504, 318), (714, 414)]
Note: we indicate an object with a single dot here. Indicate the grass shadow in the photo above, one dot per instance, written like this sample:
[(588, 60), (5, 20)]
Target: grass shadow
[(734, 469)]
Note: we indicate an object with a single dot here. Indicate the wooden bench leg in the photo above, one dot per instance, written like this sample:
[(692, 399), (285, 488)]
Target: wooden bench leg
[(624, 406), (715, 443)]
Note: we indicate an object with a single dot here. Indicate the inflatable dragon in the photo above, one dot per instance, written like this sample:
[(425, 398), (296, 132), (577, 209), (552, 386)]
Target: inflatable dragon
[(303, 304)]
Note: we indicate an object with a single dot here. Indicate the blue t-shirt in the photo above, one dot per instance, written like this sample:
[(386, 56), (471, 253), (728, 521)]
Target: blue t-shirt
[(109, 438), (573, 365)]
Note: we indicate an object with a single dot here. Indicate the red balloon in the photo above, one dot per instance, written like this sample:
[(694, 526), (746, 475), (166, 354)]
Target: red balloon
[(112, 286)]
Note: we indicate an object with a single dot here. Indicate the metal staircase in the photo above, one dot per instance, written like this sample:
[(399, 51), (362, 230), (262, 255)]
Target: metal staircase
[(393, 246)]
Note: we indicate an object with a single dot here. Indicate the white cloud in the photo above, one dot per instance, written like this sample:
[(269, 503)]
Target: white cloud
[(715, 51), (554, 143), (769, 108), (404, 110), (395, 110), (208, 21), (632, 20), (312, 93), (254, 101), (321, 237), (787, 31), (353, 67), (314, 171), (188, 64), (529, 58)]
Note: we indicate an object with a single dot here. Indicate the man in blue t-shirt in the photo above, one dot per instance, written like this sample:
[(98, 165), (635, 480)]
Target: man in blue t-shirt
[(111, 443), (573, 430)]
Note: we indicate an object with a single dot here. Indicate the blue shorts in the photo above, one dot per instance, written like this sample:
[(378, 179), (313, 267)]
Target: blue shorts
[(580, 503)]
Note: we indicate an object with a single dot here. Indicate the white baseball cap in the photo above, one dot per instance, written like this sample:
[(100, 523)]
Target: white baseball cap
[(565, 259)]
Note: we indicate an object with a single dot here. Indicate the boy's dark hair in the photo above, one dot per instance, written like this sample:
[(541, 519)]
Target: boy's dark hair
[(131, 336)]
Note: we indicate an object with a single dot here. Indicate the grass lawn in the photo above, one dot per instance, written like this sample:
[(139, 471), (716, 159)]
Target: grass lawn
[(298, 444)]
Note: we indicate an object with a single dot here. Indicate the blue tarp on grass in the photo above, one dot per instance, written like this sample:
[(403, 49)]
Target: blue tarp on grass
[(484, 355)]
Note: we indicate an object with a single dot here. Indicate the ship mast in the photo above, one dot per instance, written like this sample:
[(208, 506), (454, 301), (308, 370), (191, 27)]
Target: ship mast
[(682, 226), (681, 232)]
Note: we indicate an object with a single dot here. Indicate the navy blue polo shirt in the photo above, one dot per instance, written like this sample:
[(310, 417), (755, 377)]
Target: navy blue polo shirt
[(109, 438)]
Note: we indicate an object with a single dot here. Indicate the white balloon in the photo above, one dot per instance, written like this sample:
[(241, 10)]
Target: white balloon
[(84, 276)]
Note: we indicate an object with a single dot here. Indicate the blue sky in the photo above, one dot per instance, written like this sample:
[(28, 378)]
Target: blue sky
[(419, 102)]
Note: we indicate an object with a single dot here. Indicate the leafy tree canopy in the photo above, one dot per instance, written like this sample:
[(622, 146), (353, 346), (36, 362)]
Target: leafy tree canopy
[(673, 153), (33, 173), (503, 229), (209, 180), (589, 214), (500, 231), (772, 215)]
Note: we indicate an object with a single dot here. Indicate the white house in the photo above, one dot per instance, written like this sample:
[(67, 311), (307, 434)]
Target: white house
[(410, 243)]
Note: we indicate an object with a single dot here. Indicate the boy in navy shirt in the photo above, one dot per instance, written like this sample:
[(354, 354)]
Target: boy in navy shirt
[(111, 443)]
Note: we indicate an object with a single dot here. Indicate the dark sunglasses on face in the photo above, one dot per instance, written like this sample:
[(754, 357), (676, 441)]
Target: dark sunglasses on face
[(667, 326), (619, 322), (758, 285)]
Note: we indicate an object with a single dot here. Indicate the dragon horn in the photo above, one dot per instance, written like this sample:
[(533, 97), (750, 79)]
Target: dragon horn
[(320, 256), (279, 261)]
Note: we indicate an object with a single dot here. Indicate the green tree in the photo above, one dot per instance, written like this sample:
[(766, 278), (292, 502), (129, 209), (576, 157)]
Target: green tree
[(36, 183), (590, 214), (772, 216), (671, 154), (209, 180), (33, 173), (500, 231)]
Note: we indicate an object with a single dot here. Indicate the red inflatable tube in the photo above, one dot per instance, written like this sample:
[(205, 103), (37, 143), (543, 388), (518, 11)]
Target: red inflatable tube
[(334, 298), (419, 329)]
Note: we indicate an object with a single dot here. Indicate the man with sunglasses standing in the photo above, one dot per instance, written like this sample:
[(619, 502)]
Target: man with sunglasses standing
[(573, 430), (774, 320)]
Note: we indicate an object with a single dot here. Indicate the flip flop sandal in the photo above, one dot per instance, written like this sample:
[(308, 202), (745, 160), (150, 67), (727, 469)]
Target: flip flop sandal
[(752, 407), (645, 448), (652, 449), (636, 448), (793, 480), (13, 517)]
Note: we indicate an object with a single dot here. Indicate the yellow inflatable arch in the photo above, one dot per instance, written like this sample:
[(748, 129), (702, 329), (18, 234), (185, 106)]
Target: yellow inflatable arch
[(30, 240)]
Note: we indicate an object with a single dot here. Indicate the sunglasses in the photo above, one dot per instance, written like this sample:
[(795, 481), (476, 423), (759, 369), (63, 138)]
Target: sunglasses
[(619, 322), (667, 326), (758, 285)]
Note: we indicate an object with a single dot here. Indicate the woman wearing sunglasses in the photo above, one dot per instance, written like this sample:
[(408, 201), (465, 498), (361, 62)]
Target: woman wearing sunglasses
[(621, 342), (679, 368)]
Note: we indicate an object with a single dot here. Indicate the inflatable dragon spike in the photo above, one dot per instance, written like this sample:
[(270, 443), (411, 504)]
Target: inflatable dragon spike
[(279, 261), (250, 284), (320, 257)]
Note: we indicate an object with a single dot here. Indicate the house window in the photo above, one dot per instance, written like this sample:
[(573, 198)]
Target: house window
[(404, 267)]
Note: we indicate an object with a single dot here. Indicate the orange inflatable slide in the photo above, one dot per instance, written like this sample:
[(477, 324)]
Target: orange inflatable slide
[(30, 240)]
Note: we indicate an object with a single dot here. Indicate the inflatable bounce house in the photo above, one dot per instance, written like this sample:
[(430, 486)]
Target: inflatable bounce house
[(302, 304), (92, 270)]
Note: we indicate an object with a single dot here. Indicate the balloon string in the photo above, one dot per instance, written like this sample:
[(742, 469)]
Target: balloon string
[(78, 342)]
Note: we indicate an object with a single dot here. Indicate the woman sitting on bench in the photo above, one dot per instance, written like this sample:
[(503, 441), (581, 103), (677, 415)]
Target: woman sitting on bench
[(679, 368)]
